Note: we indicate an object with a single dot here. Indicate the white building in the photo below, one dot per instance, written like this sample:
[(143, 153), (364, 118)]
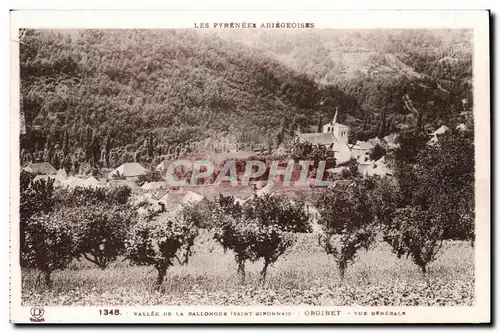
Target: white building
[(435, 135), (377, 168), (334, 137), (339, 131)]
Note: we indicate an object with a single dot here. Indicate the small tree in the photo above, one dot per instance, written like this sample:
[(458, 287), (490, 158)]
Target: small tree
[(386, 198), (347, 222), (263, 228), (413, 218), (194, 217), (36, 197), (157, 242), (269, 244), (100, 231), (278, 219), (49, 243), (231, 231), (418, 233), (446, 175), (441, 182)]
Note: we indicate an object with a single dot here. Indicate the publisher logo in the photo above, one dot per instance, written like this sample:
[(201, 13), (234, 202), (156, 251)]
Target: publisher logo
[(37, 314)]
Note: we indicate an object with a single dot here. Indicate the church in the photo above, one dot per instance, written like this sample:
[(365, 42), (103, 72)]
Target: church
[(334, 135), (339, 131)]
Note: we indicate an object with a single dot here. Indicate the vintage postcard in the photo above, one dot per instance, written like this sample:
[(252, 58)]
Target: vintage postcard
[(250, 167)]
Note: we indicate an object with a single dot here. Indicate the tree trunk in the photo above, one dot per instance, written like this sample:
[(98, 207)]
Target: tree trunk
[(187, 254), (46, 276), (103, 265), (263, 273), (38, 280), (423, 268), (241, 270), (162, 271), (102, 262), (342, 267)]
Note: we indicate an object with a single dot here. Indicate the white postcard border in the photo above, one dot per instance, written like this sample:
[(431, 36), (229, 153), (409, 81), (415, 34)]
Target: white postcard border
[(477, 20)]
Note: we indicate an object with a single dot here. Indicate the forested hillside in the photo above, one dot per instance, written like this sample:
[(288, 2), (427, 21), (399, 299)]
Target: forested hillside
[(399, 78), (122, 95), (98, 98)]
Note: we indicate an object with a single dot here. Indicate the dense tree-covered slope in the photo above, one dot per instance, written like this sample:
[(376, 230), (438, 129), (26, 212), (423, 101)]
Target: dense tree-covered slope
[(151, 92), (397, 75), (99, 98)]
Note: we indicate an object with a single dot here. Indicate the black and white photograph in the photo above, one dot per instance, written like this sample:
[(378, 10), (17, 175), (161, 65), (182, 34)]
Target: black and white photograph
[(248, 163)]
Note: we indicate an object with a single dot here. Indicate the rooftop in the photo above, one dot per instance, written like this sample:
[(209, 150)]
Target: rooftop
[(43, 168), (319, 138)]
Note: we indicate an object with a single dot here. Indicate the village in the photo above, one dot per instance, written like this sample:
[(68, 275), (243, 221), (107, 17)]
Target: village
[(162, 195)]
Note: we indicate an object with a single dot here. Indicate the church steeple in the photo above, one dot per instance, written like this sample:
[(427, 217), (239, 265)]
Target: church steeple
[(341, 132), (334, 121)]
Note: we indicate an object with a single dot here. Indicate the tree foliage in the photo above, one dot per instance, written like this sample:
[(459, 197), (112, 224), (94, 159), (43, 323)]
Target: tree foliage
[(100, 231), (417, 232), (306, 151), (377, 152), (347, 222), (446, 175), (158, 240), (99, 98), (263, 228), (36, 197), (83, 221), (49, 243), (81, 196), (151, 176), (442, 180), (430, 200)]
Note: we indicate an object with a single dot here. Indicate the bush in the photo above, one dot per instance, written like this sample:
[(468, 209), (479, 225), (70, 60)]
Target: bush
[(377, 153), (82, 196), (306, 151), (151, 176)]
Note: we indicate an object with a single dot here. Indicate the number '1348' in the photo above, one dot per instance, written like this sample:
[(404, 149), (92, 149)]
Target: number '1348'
[(112, 312)]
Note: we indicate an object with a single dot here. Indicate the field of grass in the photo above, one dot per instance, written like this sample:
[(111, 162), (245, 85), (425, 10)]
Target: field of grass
[(304, 275)]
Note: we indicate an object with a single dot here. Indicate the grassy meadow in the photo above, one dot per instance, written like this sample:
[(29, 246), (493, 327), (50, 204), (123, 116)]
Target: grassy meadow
[(305, 275)]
